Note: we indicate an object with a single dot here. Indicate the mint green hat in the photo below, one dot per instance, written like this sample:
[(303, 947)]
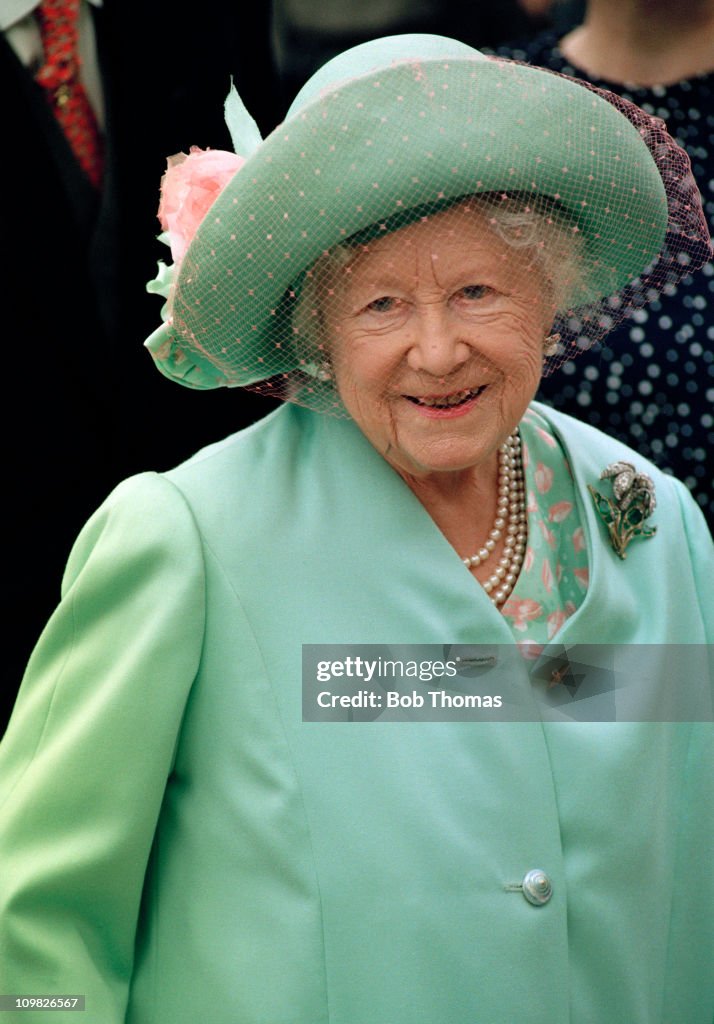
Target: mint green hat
[(398, 129)]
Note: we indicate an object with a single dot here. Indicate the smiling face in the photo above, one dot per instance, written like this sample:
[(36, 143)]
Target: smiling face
[(436, 340)]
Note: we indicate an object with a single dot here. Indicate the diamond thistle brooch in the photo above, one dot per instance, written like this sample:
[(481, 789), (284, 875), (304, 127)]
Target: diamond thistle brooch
[(634, 501)]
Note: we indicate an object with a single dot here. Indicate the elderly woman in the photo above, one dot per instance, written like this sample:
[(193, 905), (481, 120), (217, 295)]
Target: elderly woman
[(399, 260)]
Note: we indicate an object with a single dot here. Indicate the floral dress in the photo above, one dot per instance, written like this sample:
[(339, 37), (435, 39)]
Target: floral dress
[(554, 577)]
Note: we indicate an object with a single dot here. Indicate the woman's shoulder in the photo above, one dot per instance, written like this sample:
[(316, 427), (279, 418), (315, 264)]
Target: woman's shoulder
[(244, 477), (263, 447), (278, 424)]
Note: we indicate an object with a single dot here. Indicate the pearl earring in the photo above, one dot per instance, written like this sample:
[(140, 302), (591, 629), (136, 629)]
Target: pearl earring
[(320, 371), (550, 345)]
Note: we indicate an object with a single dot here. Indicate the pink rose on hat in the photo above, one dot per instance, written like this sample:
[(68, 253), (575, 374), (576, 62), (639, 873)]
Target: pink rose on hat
[(189, 188)]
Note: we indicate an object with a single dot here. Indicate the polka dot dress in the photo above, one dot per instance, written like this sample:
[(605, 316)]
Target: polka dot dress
[(651, 384)]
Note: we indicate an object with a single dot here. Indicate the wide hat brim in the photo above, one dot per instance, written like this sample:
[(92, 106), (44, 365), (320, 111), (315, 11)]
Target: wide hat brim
[(361, 148)]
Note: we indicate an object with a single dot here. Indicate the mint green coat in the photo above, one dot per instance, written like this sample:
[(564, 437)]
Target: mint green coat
[(179, 846)]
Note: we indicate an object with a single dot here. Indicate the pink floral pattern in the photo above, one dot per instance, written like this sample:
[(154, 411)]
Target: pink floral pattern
[(555, 620), (555, 575), (560, 511), (548, 438), (582, 576), (543, 478), (546, 575), (548, 535), (521, 610), (529, 649)]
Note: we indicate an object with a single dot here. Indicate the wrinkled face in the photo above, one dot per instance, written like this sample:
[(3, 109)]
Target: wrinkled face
[(435, 335)]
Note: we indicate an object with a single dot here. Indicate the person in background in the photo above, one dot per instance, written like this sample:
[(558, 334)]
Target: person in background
[(562, 14), (306, 33), (652, 383), (83, 406)]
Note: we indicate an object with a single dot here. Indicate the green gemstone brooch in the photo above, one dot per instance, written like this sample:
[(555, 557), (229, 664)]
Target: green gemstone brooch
[(634, 501)]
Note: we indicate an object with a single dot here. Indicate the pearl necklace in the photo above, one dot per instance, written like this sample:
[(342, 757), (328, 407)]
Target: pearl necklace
[(511, 516)]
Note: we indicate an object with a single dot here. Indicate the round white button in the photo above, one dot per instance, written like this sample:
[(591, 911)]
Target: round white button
[(537, 887)]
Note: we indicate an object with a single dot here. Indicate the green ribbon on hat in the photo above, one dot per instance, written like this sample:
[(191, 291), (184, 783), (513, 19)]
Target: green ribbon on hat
[(245, 134), (170, 354)]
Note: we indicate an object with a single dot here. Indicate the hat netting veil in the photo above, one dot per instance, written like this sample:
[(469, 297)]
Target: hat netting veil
[(560, 181)]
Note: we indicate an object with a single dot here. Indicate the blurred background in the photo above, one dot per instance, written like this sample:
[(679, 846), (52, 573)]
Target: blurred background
[(306, 33)]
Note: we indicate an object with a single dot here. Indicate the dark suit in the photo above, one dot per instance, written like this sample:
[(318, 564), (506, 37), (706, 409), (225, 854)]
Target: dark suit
[(84, 404)]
